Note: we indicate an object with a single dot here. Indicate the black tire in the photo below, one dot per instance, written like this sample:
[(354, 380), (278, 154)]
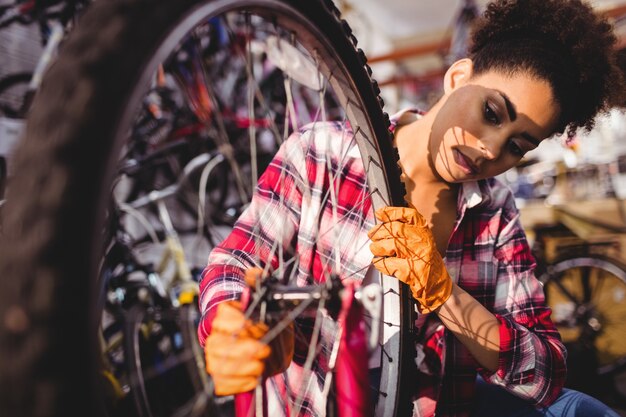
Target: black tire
[(63, 172), (133, 351), (188, 319)]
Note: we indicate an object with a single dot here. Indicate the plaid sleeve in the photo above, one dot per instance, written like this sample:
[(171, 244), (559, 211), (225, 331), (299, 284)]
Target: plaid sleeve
[(532, 356), (272, 214)]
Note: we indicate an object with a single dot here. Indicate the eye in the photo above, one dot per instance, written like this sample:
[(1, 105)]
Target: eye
[(490, 113), (515, 149)]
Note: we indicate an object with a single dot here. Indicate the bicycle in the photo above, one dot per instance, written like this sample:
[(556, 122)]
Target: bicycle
[(580, 261), (55, 19), (346, 384), (77, 146), (149, 305), (150, 310)]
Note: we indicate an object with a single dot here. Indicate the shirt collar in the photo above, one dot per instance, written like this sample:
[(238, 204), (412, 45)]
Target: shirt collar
[(471, 194)]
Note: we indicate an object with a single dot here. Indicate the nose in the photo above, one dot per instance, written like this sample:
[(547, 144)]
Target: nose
[(490, 148)]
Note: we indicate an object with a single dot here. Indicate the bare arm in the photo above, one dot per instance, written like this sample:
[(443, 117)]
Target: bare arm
[(475, 326)]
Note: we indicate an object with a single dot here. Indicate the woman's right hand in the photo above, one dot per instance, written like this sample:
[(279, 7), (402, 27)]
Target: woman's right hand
[(235, 356)]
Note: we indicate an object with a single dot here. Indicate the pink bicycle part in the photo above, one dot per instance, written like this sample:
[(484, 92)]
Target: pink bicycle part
[(352, 391)]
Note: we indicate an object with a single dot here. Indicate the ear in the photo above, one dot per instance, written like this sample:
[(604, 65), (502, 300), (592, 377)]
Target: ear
[(458, 74)]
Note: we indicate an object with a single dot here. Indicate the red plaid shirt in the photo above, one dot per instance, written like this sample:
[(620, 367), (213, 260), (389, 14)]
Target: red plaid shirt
[(487, 255)]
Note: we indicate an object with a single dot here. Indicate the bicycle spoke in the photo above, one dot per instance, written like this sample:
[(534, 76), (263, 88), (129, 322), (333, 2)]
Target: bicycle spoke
[(258, 95), (565, 291), (596, 287), (587, 294), (237, 83), (224, 143)]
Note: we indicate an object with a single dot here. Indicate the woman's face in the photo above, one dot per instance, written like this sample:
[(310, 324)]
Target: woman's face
[(487, 123)]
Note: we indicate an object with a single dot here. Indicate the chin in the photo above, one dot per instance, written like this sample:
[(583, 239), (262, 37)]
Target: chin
[(457, 177)]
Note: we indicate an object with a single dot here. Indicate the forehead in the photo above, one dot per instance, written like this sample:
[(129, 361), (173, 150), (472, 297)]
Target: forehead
[(531, 96)]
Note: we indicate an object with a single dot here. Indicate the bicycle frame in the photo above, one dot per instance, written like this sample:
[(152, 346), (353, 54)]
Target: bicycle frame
[(174, 251), (348, 362)]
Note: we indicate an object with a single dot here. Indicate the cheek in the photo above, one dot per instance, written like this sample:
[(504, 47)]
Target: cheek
[(441, 153), (460, 135), (439, 146), (458, 122), (504, 164), (452, 137)]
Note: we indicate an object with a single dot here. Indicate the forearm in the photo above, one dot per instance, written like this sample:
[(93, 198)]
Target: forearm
[(523, 355), (475, 326)]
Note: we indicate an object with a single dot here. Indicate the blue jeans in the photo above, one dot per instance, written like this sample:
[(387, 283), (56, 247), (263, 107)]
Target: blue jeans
[(493, 401)]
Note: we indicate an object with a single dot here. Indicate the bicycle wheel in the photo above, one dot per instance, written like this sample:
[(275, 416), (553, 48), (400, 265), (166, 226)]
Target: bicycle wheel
[(157, 355), (587, 295), (147, 340), (216, 52)]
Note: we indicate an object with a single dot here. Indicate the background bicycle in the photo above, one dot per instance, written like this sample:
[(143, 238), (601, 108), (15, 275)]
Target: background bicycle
[(42, 25), (579, 246)]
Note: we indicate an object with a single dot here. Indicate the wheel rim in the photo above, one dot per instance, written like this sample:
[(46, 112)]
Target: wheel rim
[(182, 73), (589, 295)]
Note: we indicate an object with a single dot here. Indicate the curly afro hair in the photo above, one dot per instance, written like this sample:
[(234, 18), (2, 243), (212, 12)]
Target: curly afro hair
[(561, 41)]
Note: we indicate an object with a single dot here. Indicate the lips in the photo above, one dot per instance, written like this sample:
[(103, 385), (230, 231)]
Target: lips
[(466, 164)]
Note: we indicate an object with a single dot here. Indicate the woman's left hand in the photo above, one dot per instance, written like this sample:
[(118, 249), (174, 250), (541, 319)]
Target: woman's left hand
[(404, 247)]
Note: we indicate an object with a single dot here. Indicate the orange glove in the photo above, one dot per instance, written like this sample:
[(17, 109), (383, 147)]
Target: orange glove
[(235, 356), (404, 246)]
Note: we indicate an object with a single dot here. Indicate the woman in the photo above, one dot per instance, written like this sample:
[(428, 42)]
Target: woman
[(535, 68)]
